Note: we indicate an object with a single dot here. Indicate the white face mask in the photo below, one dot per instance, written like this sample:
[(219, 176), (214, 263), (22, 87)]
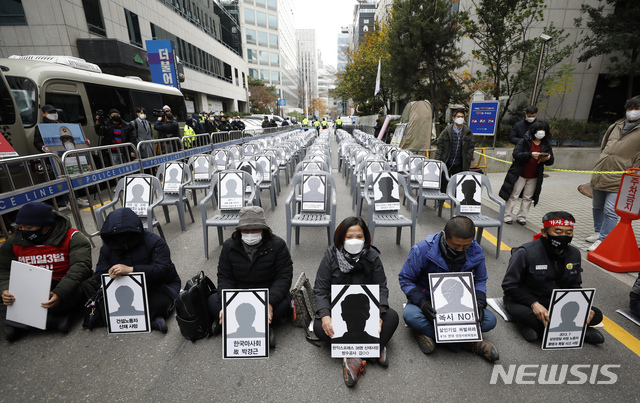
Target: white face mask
[(69, 145), (142, 116), (52, 116), (212, 119), (353, 246), (252, 239), (531, 120), (540, 134), (632, 116), (458, 121)]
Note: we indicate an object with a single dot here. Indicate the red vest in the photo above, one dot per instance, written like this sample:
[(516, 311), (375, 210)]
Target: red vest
[(52, 257)]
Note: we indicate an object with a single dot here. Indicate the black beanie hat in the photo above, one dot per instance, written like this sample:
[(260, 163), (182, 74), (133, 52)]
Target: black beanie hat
[(38, 214)]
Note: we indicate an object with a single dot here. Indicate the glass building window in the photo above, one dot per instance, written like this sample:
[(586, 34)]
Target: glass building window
[(272, 4), (133, 26), (261, 18), (273, 21), (275, 59), (264, 57), (262, 39), (264, 76), (260, 3), (273, 40), (253, 73), (275, 77), (12, 13), (252, 55), (249, 16), (93, 14), (251, 35)]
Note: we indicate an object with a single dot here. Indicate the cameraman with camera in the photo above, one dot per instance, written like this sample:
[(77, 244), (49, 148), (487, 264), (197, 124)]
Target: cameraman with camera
[(166, 126), (113, 130)]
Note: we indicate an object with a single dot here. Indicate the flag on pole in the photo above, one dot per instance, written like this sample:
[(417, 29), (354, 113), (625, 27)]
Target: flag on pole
[(377, 90)]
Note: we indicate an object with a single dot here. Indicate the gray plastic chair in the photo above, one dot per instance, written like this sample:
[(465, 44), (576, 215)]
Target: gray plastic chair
[(200, 183), (226, 217), (179, 198), (425, 194), (479, 220), (390, 218), (156, 191), (307, 217)]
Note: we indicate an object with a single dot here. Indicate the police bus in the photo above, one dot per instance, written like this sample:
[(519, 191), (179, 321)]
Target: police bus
[(79, 90)]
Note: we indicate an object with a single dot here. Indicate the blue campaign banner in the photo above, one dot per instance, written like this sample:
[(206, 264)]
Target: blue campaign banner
[(282, 102), (162, 62), (483, 117)]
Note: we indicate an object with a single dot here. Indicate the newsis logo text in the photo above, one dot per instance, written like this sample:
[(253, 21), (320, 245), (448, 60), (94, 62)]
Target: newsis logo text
[(555, 374)]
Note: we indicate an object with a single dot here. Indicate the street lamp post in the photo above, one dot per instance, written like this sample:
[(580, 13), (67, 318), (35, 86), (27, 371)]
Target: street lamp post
[(534, 95)]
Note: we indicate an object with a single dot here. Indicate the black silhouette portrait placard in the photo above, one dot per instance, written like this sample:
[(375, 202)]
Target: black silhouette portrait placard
[(230, 191), (469, 193), (453, 296), (386, 192), (355, 317), (311, 165), (172, 177), (126, 303), (201, 168), (250, 167), (568, 314), (245, 323), (431, 174), (314, 188), (137, 195)]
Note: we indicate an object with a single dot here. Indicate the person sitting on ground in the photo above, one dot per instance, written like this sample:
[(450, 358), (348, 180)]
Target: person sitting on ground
[(536, 269), (255, 258), (128, 248), (46, 239), (352, 260), (452, 250)]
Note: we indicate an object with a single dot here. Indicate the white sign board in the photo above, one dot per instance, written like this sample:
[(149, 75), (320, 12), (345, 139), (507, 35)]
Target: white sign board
[(137, 195), (386, 192), (355, 317), (628, 198), (453, 296), (469, 193), (245, 323), (30, 285), (172, 177), (230, 191), (126, 303), (568, 314)]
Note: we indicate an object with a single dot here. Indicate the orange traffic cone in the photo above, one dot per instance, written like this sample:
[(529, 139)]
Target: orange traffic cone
[(618, 252)]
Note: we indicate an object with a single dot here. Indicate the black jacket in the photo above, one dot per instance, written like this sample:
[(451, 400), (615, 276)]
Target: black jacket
[(444, 146), (519, 131), (368, 270), (167, 129), (533, 273), (271, 267), (146, 252), (105, 131), (522, 154)]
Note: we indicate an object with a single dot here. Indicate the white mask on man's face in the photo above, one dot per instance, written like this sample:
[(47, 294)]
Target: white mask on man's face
[(530, 119), (52, 116), (142, 116), (252, 239), (459, 121), (632, 116)]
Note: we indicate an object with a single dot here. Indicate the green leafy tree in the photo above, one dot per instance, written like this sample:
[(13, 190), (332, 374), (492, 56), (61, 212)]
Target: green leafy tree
[(263, 97), (616, 34), (501, 30), (422, 45)]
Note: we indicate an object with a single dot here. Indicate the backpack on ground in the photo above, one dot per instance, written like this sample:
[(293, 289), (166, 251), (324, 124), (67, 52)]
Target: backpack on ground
[(192, 312), (304, 307)]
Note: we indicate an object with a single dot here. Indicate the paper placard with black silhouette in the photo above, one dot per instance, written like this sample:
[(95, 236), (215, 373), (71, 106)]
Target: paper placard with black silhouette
[(371, 168), (137, 195), (221, 157), (469, 193), (265, 163), (386, 192), (355, 317), (201, 168), (415, 162), (172, 177), (453, 297), (245, 323), (230, 191), (249, 166), (311, 166), (314, 188), (126, 303), (568, 314), (431, 175)]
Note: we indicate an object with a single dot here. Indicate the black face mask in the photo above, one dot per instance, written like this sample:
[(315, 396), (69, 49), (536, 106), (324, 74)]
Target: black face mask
[(35, 237), (559, 242), (116, 119), (124, 241), (450, 253)]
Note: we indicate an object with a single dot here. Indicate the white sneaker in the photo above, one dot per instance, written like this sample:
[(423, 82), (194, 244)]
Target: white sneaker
[(594, 246), (83, 202), (593, 238)]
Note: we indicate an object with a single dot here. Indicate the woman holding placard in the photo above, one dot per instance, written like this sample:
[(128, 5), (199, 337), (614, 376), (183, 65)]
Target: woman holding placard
[(352, 260)]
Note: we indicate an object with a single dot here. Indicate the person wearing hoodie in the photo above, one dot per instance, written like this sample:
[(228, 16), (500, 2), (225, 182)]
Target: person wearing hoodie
[(45, 239), (128, 248)]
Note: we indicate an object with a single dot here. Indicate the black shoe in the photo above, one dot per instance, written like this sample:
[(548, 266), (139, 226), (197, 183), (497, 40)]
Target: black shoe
[(484, 349), (12, 334), (521, 222), (527, 333), (384, 358), (352, 368), (593, 336), (216, 328), (508, 222), (425, 343), (272, 338), (159, 324), (64, 324)]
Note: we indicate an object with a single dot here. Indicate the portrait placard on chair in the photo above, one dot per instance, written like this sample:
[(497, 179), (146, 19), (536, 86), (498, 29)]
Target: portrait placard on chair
[(314, 188), (469, 193), (265, 162), (201, 168), (386, 192), (137, 195), (230, 193), (431, 175), (172, 177)]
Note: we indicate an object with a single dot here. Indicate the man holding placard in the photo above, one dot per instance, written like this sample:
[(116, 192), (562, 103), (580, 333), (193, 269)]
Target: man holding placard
[(453, 250), (536, 269), (45, 239)]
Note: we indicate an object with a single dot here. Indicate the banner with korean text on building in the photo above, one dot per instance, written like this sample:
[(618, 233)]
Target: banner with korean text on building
[(162, 62)]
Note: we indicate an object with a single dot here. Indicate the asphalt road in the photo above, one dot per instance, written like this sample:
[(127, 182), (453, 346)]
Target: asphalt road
[(94, 366)]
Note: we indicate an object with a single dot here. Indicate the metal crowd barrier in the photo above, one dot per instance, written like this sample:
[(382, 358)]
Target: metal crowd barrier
[(162, 150), (32, 178), (198, 144)]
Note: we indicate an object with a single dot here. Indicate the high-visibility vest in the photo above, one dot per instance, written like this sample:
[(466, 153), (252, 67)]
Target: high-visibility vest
[(187, 138), (316, 123)]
